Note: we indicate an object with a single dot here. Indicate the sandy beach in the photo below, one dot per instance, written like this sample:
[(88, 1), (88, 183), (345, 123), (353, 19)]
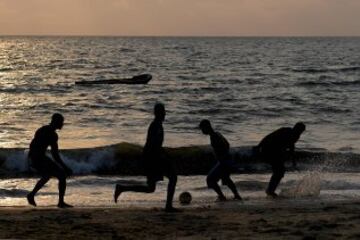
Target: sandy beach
[(231, 220)]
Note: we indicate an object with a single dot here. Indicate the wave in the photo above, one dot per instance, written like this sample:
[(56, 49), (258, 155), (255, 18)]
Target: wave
[(127, 50), (13, 192), (6, 69), (125, 159), (329, 83), (326, 70)]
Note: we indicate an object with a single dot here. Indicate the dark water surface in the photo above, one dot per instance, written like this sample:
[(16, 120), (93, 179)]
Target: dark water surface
[(246, 86)]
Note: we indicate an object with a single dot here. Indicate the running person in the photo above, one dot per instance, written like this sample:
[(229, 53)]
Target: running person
[(224, 166), (155, 166), (44, 137)]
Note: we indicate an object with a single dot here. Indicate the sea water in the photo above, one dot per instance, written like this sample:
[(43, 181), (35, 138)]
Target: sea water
[(247, 87)]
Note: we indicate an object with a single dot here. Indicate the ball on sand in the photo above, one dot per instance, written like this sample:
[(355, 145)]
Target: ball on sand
[(185, 198)]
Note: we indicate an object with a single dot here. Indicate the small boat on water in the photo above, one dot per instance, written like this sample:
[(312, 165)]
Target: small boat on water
[(139, 79)]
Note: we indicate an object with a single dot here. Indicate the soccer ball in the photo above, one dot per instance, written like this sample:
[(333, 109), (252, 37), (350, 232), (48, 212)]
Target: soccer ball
[(185, 198)]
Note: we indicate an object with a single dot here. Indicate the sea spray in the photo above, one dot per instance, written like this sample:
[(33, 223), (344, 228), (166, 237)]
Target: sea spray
[(97, 160), (80, 161), (308, 186), (318, 166)]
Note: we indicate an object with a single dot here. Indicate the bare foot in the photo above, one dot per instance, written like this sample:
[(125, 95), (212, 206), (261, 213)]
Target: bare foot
[(238, 198), (118, 191), (172, 210), (221, 199), (271, 195), (31, 199), (64, 205)]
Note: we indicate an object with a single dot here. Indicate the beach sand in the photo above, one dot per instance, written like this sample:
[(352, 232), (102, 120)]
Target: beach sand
[(272, 220)]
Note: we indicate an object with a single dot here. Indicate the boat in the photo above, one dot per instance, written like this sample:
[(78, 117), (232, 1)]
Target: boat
[(139, 79)]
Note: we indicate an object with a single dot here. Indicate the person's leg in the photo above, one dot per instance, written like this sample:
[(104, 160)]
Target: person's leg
[(149, 187), (30, 197), (39, 164), (212, 181), (278, 169), (62, 189), (170, 192), (228, 182), (60, 174)]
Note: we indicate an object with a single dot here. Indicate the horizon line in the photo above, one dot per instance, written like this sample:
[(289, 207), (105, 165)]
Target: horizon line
[(180, 36)]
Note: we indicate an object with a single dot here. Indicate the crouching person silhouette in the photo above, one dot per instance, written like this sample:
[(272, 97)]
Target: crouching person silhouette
[(155, 165), (275, 149), (44, 137), (224, 166)]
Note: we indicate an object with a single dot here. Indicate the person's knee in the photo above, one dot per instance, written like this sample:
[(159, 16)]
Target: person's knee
[(62, 181), (172, 178), (61, 178), (227, 182), (151, 186), (279, 173), (210, 182), (44, 178)]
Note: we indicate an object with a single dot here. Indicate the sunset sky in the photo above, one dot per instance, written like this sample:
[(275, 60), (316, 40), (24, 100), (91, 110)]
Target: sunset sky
[(181, 17)]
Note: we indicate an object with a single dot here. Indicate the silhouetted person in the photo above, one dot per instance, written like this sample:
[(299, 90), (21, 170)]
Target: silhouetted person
[(275, 148), (225, 164), (44, 137), (155, 165)]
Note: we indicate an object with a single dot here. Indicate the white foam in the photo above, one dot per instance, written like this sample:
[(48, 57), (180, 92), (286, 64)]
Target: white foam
[(17, 161), (96, 160)]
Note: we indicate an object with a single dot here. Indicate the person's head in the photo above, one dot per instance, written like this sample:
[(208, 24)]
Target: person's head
[(159, 111), (57, 121), (299, 128), (205, 126)]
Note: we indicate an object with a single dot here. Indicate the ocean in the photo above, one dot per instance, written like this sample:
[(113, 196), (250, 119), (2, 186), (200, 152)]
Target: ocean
[(247, 87)]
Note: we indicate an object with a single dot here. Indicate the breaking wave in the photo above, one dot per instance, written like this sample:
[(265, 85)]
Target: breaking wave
[(125, 159)]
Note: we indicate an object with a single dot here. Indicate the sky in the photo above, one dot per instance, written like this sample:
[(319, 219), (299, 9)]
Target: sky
[(181, 17)]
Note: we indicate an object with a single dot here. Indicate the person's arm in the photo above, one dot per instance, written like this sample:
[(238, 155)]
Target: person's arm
[(292, 151), (55, 154), (154, 138), (221, 147), (226, 144), (264, 143)]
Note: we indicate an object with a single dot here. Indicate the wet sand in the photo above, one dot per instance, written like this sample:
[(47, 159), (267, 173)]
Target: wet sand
[(273, 220)]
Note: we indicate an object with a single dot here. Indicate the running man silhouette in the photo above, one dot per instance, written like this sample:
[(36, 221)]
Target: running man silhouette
[(225, 164), (277, 147), (155, 166), (44, 137)]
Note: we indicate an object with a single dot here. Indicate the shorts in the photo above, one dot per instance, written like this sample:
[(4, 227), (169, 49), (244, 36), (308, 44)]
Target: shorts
[(156, 168), (220, 171), (274, 157), (47, 167)]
